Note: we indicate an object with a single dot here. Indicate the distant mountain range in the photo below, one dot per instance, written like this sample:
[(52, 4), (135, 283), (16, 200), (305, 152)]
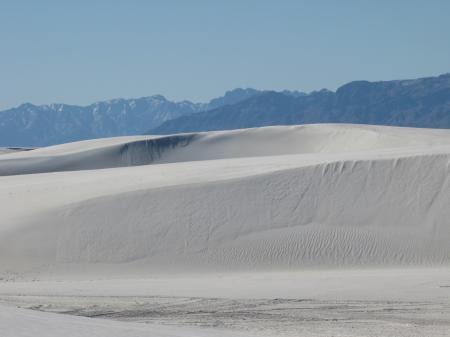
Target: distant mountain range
[(32, 126), (423, 102)]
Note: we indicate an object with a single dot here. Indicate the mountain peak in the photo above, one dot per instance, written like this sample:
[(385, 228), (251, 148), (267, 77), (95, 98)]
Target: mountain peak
[(232, 97), (157, 97), (26, 105)]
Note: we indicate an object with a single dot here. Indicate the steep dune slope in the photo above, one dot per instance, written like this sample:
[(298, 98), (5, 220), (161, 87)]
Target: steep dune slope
[(346, 195)]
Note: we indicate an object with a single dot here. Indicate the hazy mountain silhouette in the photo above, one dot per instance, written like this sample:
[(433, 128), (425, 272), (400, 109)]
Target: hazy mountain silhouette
[(31, 125), (423, 102)]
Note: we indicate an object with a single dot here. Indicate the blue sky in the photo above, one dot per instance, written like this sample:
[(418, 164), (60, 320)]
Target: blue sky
[(83, 51)]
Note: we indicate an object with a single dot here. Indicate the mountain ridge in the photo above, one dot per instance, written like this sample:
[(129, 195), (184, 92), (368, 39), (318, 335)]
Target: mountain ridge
[(423, 102), (49, 124)]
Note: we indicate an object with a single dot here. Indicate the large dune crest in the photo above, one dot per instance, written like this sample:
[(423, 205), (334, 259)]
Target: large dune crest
[(267, 198), (266, 141)]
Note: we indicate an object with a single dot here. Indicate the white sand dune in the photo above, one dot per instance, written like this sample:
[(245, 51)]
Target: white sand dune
[(267, 141), (314, 230), (272, 198)]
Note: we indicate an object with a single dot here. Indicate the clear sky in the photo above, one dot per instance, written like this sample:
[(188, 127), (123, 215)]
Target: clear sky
[(83, 51)]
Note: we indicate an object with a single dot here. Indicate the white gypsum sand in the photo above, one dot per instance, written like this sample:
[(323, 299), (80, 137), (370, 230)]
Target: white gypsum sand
[(315, 212), (34, 323)]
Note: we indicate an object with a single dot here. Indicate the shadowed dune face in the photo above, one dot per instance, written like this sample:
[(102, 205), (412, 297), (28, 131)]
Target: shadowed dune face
[(382, 200), (149, 151), (128, 153)]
